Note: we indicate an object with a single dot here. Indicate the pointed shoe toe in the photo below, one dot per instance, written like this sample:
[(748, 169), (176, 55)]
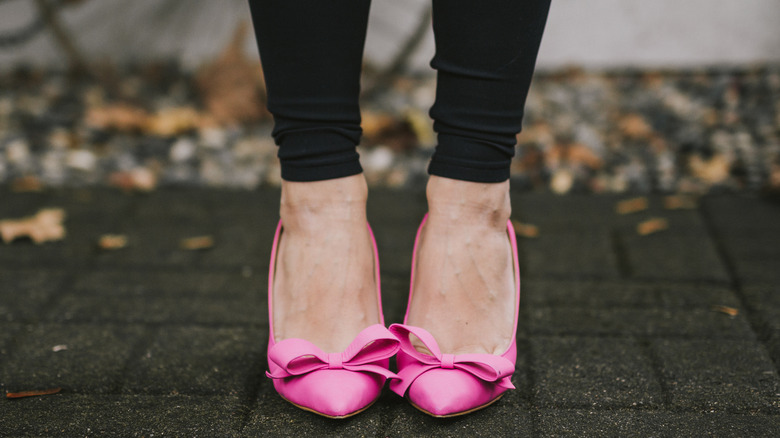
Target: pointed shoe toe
[(447, 393), (331, 393)]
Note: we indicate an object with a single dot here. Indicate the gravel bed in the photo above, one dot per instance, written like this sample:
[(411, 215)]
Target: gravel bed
[(693, 131)]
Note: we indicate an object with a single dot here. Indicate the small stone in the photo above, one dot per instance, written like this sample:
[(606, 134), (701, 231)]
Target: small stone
[(212, 137), (562, 181), (17, 152), (182, 150), (81, 159), (377, 159)]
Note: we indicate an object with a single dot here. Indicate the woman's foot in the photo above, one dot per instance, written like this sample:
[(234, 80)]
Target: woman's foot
[(324, 288), (464, 290)]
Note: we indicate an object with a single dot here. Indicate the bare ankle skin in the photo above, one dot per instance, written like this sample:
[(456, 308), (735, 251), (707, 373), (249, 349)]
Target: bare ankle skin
[(324, 286), (463, 291)]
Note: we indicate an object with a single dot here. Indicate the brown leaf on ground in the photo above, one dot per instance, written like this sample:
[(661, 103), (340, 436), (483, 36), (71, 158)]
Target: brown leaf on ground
[(635, 126), (112, 241), (119, 116), (139, 179), (774, 177), (22, 394), (525, 230), (573, 153), (712, 171), (232, 86), (632, 205), (27, 183), (46, 225), (651, 226), (197, 242), (375, 123), (730, 311), (679, 202), (172, 121)]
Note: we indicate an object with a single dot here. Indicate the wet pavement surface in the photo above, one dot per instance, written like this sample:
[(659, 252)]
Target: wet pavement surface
[(619, 333)]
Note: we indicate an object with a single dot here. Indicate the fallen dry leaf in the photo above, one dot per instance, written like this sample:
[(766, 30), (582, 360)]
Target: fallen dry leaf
[(172, 121), (573, 153), (138, 179), (44, 226), (197, 242), (28, 183), (730, 311), (421, 125), (679, 202), (232, 87), (525, 230), (375, 123), (635, 126), (22, 394), (712, 171), (653, 225), (112, 241), (120, 116), (632, 205)]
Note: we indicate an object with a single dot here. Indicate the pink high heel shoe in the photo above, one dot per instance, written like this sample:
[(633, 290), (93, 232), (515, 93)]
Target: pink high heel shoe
[(446, 385), (335, 385)]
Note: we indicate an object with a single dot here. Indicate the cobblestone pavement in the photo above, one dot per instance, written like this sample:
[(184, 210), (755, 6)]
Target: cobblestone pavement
[(617, 335)]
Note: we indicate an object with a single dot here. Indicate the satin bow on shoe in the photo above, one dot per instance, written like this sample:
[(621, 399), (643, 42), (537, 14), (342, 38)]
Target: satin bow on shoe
[(296, 357), (486, 367), (445, 385)]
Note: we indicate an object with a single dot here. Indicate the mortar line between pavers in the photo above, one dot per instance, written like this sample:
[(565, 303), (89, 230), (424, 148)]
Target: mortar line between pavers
[(254, 389), (736, 284), (645, 345), (134, 358), (620, 253)]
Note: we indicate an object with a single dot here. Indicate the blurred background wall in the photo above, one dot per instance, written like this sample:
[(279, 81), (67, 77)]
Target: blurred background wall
[(593, 33)]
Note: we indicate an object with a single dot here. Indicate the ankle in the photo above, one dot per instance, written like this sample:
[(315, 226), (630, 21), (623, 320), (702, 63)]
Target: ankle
[(318, 205), (469, 203)]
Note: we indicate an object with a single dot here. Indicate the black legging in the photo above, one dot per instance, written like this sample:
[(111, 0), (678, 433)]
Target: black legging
[(312, 50)]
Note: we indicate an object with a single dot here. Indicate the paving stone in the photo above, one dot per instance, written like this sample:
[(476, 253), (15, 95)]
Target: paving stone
[(570, 254), (757, 271), (609, 294), (154, 309), (622, 423), (153, 244), (506, 417), (165, 297), (564, 213), (742, 214), (25, 292), (583, 371), (701, 322), (395, 295), (7, 332), (718, 375), (67, 414), (92, 363), (17, 205), (672, 256), (272, 416), (198, 361), (240, 245), (233, 284)]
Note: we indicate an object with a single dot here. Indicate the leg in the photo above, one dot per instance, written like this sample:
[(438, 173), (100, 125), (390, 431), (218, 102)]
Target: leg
[(485, 56), (312, 51)]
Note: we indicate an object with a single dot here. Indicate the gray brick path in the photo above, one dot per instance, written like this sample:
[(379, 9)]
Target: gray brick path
[(617, 335)]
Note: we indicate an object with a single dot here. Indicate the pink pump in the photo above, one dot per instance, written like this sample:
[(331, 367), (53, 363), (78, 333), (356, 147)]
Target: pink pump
[(446, 385), (335, 385)]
